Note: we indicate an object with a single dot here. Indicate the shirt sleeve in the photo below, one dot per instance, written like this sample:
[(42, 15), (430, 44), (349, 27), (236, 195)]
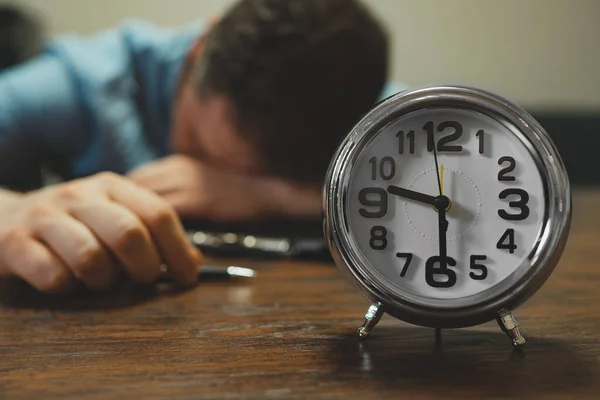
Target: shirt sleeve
[(39, 113)]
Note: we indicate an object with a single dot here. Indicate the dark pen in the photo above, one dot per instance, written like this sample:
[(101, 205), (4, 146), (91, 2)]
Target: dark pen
[(215, 272)]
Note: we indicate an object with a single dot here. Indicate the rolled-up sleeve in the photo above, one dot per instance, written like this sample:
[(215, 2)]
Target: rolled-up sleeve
[(40, 118)]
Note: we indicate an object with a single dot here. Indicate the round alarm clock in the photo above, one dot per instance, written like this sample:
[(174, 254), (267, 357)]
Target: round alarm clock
[(447, 207)]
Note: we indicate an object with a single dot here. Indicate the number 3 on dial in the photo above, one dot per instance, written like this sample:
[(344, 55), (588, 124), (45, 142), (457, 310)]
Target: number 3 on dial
[(523, 196), (520, 199)]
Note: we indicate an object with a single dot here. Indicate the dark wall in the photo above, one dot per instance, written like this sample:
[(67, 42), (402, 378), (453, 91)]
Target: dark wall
[(577, 137)]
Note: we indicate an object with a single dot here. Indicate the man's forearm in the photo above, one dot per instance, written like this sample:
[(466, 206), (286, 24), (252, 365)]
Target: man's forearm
[(292, 200)]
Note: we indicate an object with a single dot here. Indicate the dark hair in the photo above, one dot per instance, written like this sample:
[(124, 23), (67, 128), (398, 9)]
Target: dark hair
[(299, 74), (20, 36)]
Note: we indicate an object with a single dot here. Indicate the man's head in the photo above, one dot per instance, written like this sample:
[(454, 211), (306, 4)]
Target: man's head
[(277, 84)]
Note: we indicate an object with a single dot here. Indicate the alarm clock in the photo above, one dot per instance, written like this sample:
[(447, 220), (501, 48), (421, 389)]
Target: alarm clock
[(447, 207)]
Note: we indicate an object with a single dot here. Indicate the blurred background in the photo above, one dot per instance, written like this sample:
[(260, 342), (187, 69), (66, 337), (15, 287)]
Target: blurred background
[(542, 54)]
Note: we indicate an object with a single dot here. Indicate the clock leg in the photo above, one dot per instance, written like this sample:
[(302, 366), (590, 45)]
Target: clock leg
[(372, 317), (509, 325)]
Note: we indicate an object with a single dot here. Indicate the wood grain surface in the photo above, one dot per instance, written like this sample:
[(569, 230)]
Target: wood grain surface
[(290, 333)]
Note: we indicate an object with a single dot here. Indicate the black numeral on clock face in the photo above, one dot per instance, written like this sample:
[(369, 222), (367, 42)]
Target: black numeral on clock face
[(521, 204), (478, 271), (374, 198), (378, 239), (407, 259), (502, 175), (387, 168), (481, 136), (439, 277), (411, 142), (434, 269), (507, 241), (443, 144), (519, 200)]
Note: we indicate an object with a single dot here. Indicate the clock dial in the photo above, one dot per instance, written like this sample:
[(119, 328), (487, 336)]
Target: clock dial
[(492, 222)]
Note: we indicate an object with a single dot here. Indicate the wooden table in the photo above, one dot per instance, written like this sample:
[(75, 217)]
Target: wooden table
[(290, 333)]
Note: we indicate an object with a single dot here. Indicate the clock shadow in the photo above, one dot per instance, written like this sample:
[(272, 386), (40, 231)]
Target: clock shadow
[(467, 363), (458, 213)]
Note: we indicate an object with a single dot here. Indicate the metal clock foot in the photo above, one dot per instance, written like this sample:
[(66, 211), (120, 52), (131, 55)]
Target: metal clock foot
[(372, 317), (509, 325)]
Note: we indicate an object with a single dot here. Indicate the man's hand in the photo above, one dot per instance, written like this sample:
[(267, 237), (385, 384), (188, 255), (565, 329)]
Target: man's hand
[(89, 230), (200, 191)]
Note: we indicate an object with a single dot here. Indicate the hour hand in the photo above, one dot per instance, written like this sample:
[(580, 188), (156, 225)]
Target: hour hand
[(411, 194)]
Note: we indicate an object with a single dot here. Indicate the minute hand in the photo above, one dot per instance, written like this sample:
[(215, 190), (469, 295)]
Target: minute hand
[(411, 194), (443, 228)]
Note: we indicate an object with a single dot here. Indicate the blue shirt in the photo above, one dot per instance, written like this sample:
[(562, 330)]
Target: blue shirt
[(93, 103)]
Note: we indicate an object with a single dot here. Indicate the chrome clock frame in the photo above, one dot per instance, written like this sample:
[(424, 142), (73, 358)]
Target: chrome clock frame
[(493, 303)]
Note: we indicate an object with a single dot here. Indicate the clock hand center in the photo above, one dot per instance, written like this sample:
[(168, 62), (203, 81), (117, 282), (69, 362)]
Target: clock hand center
[(442, 203)]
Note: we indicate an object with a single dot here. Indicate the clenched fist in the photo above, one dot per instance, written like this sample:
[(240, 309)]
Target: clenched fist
[(90, 230)]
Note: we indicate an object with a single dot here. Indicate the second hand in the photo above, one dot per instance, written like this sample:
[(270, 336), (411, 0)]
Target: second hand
[(442, 179)]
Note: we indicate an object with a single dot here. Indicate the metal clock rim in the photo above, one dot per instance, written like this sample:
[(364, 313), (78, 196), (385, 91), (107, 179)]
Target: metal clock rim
[(513, 290)]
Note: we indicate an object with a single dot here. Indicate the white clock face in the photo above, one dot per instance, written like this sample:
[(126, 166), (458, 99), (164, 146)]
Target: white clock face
[(496, 195)]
